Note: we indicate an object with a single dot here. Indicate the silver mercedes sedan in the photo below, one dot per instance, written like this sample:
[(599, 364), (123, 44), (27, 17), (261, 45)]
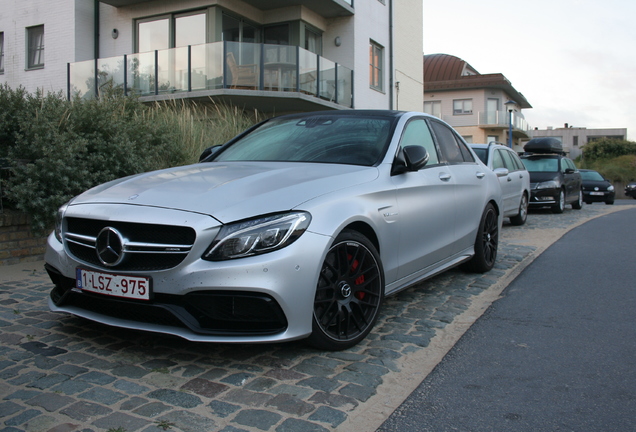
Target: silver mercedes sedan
[(297, 228)]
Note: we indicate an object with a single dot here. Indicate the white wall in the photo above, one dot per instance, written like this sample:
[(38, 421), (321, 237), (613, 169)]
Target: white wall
[(59, 41), (409, 55)]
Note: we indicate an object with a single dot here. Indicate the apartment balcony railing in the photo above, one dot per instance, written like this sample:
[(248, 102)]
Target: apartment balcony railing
[(489, 119), (215, 66)]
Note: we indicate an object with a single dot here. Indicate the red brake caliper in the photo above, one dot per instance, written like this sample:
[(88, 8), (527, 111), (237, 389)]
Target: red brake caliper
[(359, 280)]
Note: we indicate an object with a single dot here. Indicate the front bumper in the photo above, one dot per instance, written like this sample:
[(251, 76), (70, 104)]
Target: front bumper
[(264, 298), (598, 196), (544, 197)]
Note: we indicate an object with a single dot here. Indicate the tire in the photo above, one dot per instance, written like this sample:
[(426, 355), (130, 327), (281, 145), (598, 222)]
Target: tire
[(486, 242), (610, 202), (521, 217), (578, 204), (349, 293), (559, 207)]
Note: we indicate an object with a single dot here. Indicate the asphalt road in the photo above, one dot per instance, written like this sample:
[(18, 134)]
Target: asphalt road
[(557, 352)]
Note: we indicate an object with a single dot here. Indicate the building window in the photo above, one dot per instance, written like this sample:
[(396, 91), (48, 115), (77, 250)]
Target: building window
[(35, 47), (462, 106), (375, 66), (433, 108), (1, 52), (178, 30), (575, 140)]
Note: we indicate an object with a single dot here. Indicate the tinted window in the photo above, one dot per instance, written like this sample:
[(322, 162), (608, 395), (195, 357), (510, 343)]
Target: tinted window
[(447, 143), (541, 164), (591, 175), (351, 140), (482, 154), (417, 133)]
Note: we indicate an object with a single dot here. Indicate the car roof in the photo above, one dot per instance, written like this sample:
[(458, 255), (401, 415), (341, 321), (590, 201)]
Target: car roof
[(493, 145), (352, 113)]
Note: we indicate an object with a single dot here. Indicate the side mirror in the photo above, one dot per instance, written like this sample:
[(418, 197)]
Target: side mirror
[(501, 172), (209, 152), (415, 157), (569, 171)]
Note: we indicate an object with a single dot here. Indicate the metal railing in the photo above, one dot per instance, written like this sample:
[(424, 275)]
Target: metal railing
[(214, 66), (489, 118)]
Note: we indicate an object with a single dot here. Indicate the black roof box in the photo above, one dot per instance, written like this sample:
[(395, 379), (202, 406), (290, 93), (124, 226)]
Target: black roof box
[(544, 145)]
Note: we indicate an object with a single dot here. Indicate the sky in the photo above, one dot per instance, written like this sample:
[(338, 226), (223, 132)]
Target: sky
[(573, 60)]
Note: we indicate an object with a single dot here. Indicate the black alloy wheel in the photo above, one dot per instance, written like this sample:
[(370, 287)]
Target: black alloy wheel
[(559, 207), (486, 242), (520, 218), (349, 293)]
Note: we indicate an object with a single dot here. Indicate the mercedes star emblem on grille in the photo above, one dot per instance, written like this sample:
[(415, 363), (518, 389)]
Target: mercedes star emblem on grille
[(109, 246)]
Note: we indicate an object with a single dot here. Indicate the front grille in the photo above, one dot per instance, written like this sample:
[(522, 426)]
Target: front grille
[(148, 247)]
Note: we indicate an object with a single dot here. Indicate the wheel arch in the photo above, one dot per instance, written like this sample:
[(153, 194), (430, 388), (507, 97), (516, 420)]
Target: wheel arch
[(366, 230)]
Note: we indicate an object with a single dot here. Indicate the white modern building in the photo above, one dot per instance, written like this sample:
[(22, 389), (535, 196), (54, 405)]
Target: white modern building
[(275, 56)]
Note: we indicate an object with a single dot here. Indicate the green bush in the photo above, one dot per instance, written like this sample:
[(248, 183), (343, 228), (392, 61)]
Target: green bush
[(58, 148), (607, 148), (614, 159)]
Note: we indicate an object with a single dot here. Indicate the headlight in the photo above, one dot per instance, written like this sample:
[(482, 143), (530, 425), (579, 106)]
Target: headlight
[(257, 236), (610, 188), (59, 217), (548, 185)]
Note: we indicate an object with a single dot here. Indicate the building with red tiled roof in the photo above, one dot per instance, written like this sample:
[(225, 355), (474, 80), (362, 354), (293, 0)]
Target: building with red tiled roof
[(480, 107)]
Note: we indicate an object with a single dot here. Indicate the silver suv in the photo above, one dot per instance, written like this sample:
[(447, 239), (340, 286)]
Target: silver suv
[(513, 178)]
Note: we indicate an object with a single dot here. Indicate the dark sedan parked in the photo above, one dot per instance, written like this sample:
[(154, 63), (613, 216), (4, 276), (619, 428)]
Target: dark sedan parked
[(630, 190), (596, 188), (554, 179)]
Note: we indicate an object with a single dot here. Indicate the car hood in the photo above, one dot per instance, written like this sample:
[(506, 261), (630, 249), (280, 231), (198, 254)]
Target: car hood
[(229, 191), (602, 184), (538, 177)]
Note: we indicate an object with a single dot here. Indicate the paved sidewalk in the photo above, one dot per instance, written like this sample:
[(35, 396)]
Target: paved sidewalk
[(60, 373)]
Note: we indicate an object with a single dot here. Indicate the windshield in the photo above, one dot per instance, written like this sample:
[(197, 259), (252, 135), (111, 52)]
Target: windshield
[(541, 164), (351, 140), (591, 175)]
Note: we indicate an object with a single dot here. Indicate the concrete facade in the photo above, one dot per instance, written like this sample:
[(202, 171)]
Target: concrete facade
[(71, 35)]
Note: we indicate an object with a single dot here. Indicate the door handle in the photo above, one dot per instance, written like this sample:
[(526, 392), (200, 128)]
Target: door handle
[(480, 175), (444, 176)]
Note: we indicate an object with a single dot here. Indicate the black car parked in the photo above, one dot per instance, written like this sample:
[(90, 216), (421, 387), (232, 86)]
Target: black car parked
[(630, 190), (554, 179), (596, 188)]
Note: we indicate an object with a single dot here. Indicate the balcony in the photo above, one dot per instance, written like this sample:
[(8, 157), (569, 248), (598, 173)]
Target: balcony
[(259, 76), (326, 8), (491, 120)]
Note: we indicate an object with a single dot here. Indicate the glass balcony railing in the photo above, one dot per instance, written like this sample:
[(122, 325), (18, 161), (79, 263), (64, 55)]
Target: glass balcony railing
[(215, 66), (489, 118)]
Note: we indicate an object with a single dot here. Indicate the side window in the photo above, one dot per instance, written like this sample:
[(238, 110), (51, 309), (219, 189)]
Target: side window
[(497, 160), (517, 161), (507, 160), (571, 164), (417, 133), (468, 156), (449, 145)]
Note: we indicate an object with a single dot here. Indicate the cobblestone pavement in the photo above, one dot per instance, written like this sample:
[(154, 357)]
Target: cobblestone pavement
[(60, 373)]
